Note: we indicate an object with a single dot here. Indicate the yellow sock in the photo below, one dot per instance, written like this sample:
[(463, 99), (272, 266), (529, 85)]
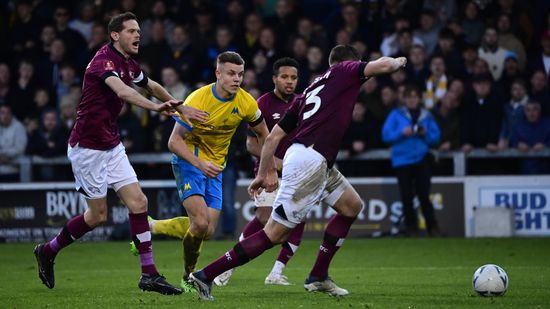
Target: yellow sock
[(175, 227), (191, 251)]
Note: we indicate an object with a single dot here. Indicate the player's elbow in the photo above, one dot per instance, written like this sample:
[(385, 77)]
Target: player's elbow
[(171, 144)]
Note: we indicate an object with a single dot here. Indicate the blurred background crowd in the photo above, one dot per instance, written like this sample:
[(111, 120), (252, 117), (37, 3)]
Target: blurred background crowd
[(481, 67)]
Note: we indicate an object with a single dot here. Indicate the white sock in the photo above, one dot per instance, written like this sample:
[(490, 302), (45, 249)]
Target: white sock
[(278, 268)]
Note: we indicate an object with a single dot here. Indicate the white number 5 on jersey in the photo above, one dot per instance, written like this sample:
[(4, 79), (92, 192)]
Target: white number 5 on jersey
[(312, 98)]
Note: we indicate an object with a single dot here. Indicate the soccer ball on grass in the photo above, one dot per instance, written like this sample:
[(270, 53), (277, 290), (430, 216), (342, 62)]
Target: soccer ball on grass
[(490, 280)]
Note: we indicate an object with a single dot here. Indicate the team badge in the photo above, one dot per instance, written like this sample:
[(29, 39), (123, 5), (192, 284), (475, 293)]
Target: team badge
[(108, 65)]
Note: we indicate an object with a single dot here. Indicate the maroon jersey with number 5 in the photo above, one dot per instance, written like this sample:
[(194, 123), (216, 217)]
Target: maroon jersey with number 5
[(323, 112)]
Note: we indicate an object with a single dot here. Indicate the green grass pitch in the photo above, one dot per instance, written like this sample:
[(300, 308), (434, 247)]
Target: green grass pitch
[(379, 273)]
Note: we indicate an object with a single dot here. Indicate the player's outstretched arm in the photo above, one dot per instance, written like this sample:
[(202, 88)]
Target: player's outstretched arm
[(158, 91), (130, 95), (187, 113), (176, 144), (384, 65)]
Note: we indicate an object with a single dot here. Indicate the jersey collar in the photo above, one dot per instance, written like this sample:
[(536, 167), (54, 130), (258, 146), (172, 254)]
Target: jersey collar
[(116, 51), (218, 97)]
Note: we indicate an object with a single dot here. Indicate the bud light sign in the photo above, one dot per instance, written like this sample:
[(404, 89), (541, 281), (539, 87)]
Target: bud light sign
[(531, 207)]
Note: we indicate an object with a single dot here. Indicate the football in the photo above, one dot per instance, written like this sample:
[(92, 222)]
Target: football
[(490, 280)]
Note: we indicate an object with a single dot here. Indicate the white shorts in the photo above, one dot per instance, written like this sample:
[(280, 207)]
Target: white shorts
[(306, 183), (96, 170)]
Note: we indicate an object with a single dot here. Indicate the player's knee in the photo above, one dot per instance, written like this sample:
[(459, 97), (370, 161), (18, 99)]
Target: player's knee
[(199, 227), (139, 205), (351, 208), (210, 232)]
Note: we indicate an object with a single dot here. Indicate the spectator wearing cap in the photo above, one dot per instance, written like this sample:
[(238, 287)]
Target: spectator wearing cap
[(513, 114), (532, 134), (509, 41), (491, 52), (482, 116), (510, 73), (541, 60)]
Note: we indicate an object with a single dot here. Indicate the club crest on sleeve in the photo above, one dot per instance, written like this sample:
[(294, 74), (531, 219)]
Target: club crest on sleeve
[(108, 65)]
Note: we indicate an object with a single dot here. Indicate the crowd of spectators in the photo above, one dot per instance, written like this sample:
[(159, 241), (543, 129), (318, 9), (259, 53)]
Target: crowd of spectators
[(481, 66)]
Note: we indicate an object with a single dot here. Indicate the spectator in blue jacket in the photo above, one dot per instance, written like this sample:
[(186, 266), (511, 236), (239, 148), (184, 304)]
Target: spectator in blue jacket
[(411, 130), (532, 134)]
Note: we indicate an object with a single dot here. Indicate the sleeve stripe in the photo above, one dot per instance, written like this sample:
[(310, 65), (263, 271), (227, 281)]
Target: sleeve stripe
[(183, 124), (257, 121), (143, 82), (139, 78), (108, 74)]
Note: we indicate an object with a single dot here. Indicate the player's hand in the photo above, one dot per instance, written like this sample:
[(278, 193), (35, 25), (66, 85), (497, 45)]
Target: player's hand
[(271, 182), (255, 187), (399, 63), (210, 169), (167, 106), (189, 113)]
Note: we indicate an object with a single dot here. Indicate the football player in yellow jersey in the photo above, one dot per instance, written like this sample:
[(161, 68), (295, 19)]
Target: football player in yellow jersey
[(200, 151)]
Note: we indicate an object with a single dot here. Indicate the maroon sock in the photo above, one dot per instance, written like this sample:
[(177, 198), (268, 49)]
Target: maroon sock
[(73, 230), (335, 234), (290, 246), (141, 235), (252, 227), (243, 252)]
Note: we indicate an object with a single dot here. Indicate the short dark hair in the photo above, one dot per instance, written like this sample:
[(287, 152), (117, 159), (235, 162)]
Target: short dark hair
[(115, 24), (342, 53), (284, 62), (409, 89), (231, 57)]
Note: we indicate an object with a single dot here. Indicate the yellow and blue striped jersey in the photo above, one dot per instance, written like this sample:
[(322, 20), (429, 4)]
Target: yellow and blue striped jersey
[(210, 140)]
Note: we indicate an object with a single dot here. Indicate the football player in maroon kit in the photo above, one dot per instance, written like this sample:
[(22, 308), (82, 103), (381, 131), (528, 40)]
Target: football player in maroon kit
[(98, 157), (317, 121)]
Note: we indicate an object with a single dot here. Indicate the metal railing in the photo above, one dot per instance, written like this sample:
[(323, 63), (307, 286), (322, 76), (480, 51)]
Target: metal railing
[(459, 158)]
